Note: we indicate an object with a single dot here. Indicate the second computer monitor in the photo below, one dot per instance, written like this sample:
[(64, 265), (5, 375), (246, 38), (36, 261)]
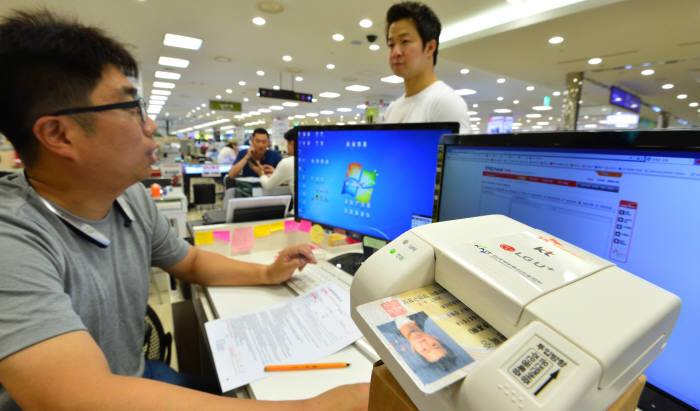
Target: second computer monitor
[(376, 180)]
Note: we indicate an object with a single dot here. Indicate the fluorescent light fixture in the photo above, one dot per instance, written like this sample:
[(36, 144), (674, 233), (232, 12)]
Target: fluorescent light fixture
[(556, 40), (173, 62), (502, 110), (183, 42), (264, 110), (287, 58), (241, 83), (329, 94), (693, 104), (465, 92), (163, 84), (464, 71), (218, 96), (499, 98), (516, 101), (154, 109), (590, 126), (298, 78), (543, 123), (394, 79), (211, 123), (275, 87), (595, 60), (276, 108), (542, 108), (338, 37), (472, 113), (357, 88), (258, 21), (290, 104), (311, 114), (682, 96), (343, 109), (299, 116), (203, 105), (667, 86), (326, 112), (245, 99), (340, 124), (260, 73), (500, 80), (475, 105), (361, 106), (374, 47), (530, 88), (533, 115), (229, 91), (330, 66), (313, 100), (159, 98), (556, 93), (156, 103), (168, 75), (366, 23), (647, 72)]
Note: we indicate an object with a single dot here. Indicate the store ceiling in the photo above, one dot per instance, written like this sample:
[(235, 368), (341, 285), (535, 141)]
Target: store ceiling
[(630, 32)]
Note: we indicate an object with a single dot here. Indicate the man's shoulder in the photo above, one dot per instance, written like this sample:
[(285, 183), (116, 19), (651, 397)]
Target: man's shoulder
[(273, 156)]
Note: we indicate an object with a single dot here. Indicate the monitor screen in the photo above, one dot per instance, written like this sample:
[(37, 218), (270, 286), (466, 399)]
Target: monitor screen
[(629, 197), (375, 180)]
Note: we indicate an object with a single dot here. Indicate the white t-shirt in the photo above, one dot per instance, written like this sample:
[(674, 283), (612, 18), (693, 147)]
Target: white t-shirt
[(284, 172), (226, 155), (437, 102)]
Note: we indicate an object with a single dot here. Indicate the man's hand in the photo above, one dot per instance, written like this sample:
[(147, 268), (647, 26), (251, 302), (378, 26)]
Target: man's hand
[(354, 397), (256, 166), (287, 261), (268, 169)]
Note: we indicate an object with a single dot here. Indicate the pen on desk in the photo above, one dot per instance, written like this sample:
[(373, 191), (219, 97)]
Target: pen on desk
[(297, 367)]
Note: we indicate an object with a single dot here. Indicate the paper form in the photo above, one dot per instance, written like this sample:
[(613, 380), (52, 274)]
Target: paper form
[(304, 329)]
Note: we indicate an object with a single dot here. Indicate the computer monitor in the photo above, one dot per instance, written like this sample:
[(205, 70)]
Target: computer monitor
[(630, 197), (374, 180), (241, 209)]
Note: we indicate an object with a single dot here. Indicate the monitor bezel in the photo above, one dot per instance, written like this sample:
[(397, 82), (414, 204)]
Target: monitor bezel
[(671, 140), (447, 137)]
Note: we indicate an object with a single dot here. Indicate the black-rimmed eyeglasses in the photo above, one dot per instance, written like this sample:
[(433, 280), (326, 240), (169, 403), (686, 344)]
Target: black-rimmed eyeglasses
[(138, 103)]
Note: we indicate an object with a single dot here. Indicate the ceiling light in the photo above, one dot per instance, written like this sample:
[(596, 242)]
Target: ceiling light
[(218, 96), (516, 101), (203, 105), (241, 83), (472, 113), (276, 108), (475, 105), (258, 21), (392, 79), (173, 62), (299, 78), (542, 108), (590, 126), (169, 75), (311, 114), (533, 115), (595, 60), (161, 98), (464, 71), (374, 47), (161, 92), (183, 42), (502, 110), (556, 40), (682, 96), (361, 106), (500, 80), (465, 92), (287, 58), (499, 98), (290, 104), (300, 116), (338, 37), (343, 109), (556, 94), (330, 66), (530, 88), (667, 86), (326, 112), (313, 100), (329, 94), (229, 91), (245, 99), (366, 23), (543, 123), (264, 110), (163, 84), (154, 109), (260, 73), (156, 103), (275, 87), (357, 88), (693, 104), (648, 72)]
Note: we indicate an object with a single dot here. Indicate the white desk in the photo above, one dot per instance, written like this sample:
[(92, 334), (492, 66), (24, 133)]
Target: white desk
[(227, 301)]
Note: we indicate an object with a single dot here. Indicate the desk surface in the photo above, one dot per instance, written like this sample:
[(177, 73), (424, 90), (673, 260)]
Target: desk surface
[(228, 301)]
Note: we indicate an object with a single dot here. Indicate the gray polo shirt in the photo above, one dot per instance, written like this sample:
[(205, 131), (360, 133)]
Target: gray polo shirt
[(53, 280)]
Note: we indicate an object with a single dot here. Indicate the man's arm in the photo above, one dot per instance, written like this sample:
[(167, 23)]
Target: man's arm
[(69, 372), (206, 268), (237, 166)]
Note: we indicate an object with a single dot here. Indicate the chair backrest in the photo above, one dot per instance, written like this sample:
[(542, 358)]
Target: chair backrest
[(157, 343)]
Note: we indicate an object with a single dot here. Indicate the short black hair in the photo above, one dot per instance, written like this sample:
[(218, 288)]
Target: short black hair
[(261, 131), (426, 21), (291, 134), (48, 63)]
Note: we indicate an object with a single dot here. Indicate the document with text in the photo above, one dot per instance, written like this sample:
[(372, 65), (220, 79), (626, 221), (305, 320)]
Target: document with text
[(303, 329)]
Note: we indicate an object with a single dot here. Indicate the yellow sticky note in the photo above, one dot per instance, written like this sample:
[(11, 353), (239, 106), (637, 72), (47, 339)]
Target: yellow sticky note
[(336, 238), (261, 230), (203, 238), (317, 234), (278, 226)]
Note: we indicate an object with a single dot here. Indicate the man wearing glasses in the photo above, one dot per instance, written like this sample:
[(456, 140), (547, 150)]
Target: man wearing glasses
[(78, 234)]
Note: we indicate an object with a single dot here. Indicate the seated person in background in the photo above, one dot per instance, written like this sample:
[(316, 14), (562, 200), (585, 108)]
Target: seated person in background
[(78, 234), (270, 176), (228, 153), (249, 162)]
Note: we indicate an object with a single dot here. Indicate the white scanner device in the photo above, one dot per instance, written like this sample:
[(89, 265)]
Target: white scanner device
[(599, 325)]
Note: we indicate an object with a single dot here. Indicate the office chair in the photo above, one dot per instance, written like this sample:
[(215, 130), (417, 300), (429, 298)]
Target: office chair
[(157, 344)]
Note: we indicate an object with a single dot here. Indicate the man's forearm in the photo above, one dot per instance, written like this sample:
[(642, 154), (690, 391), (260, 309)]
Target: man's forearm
[(207, 268), (236, 168)]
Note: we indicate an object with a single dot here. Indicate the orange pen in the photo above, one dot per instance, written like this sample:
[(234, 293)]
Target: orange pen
[(297, 367)]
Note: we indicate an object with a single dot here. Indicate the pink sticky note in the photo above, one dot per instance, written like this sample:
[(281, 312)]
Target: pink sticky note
[(290, 225), (222, 235), (304, 226), (243, 239)]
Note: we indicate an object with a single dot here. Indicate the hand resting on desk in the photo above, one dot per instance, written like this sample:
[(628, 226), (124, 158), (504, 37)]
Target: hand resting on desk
[(287, 261)]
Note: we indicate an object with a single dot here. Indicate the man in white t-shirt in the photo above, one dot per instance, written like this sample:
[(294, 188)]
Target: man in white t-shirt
[(412, 34)]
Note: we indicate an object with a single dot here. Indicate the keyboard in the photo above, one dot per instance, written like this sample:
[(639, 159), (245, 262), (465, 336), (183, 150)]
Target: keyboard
[(314, 275)]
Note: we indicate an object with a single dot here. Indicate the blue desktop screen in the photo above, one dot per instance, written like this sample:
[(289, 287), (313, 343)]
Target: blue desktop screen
[(372, 182), (635, 208)]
